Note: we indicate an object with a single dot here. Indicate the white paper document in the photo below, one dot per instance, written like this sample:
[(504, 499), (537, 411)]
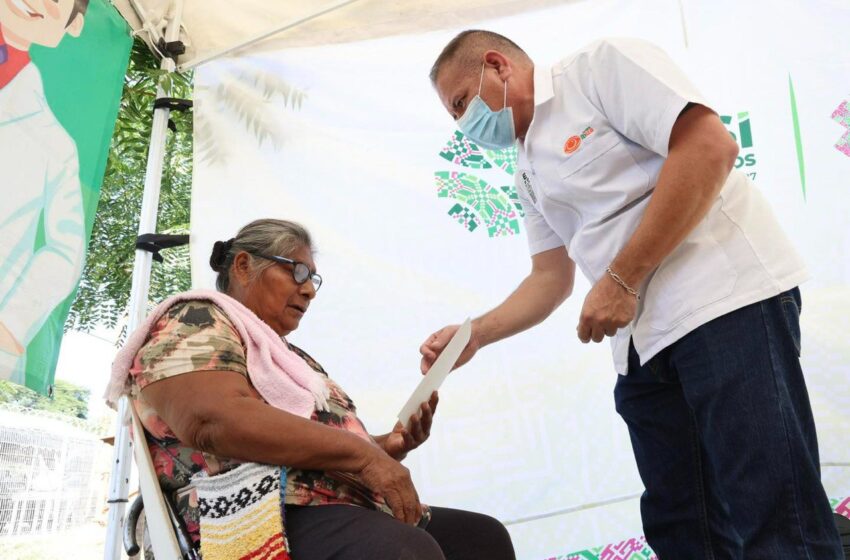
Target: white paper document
[(437, 374)]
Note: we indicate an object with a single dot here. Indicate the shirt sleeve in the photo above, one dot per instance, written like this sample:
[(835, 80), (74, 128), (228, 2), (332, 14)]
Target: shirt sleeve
[(191, 336), (540, 236), (51, 274), (640, 90)]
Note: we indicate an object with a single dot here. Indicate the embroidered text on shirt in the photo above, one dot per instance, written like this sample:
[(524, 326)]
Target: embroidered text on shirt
[(527, 183)]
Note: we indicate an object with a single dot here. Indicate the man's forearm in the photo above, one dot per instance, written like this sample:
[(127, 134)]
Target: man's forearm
[(688, 185), (534, 300)]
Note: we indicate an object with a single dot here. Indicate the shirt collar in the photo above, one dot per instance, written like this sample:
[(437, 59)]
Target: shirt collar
[(12, 61), (543, 90), (23, 97)]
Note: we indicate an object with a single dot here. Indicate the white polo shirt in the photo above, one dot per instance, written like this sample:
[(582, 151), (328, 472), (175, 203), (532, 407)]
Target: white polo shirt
[(588, 167)]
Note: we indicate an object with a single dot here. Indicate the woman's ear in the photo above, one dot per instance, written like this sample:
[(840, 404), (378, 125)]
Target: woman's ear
[(240, 270)]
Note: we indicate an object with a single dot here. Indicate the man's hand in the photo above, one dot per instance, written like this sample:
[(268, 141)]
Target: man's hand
[(8, 342), (606, 308), (436, 343), (390, 479), (404, 439)]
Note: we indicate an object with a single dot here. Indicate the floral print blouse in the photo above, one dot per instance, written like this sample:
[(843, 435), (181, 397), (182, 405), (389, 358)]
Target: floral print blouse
[(197, 336)]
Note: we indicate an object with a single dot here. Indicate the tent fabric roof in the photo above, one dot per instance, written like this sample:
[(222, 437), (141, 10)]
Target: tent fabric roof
[(212, 27)]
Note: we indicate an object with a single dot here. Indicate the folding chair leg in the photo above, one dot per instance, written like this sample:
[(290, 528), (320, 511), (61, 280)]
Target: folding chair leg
[(159, 523)]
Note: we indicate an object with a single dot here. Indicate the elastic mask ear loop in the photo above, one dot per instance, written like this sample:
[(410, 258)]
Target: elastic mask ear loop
[(481, 79), (505, 102)]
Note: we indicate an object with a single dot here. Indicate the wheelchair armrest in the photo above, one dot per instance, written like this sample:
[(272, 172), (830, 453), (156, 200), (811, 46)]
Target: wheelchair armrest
[(130, 545)]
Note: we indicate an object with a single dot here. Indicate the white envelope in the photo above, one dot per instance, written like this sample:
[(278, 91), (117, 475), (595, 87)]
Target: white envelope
[(440, 369)]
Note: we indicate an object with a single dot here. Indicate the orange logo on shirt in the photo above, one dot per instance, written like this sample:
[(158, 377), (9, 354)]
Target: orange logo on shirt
[(573, 143)]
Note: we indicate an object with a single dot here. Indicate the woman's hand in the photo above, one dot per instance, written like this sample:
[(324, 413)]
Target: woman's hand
[(403, 439), (391, 479)]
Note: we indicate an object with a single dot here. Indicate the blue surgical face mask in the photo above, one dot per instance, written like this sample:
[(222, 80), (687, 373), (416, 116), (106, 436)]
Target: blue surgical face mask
[(489, 129)]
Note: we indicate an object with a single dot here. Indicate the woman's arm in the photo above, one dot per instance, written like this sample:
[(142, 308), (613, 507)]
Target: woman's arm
[(220, 413)]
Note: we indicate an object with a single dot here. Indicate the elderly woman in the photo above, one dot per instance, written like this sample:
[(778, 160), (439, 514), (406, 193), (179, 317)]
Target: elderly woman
[(346, 493)]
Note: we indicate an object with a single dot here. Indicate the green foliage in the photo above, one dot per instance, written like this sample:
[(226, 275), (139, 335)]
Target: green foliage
[(104, 291), (68, 399)]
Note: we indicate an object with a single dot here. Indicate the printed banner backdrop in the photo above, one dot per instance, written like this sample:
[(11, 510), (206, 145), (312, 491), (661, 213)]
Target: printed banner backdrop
[(62, 65), (416, 228)]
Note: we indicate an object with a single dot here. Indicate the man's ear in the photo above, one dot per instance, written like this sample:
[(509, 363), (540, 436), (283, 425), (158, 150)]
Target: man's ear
[(76, 26), (500, 62)]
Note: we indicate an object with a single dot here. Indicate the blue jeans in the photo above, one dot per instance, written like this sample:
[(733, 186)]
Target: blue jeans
[(725, 442)]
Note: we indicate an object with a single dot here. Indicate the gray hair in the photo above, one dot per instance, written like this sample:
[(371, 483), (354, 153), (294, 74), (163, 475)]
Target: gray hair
[(267, 237), (468, 48)]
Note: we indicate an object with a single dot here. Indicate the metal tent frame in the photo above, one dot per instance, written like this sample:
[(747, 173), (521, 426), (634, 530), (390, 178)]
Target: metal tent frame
[(119, 480)]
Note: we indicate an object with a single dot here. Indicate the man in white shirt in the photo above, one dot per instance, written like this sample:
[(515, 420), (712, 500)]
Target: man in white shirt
[(39, 178), (624, 170)]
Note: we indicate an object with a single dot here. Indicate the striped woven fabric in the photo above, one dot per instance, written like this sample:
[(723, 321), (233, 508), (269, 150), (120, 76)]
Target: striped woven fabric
[(241, 515)]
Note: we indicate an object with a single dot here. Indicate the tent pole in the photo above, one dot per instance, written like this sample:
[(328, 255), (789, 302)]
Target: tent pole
[(230, 50), (119, 480)]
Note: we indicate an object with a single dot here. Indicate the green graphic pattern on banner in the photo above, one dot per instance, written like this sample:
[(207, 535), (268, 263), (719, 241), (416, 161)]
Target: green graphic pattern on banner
[(504, 159), (461, 151), (741, 130), (631, 549), (637, 549), (76, 86), (477, 201), (490, 205)]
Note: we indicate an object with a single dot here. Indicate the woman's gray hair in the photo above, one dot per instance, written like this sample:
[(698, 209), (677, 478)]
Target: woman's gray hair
[(266, 237)]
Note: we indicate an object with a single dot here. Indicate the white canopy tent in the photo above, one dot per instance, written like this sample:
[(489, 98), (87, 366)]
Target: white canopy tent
[(213, 30), (216, 28)]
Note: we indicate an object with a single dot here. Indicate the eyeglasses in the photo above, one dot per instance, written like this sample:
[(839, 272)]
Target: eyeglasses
[(300, 271)]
